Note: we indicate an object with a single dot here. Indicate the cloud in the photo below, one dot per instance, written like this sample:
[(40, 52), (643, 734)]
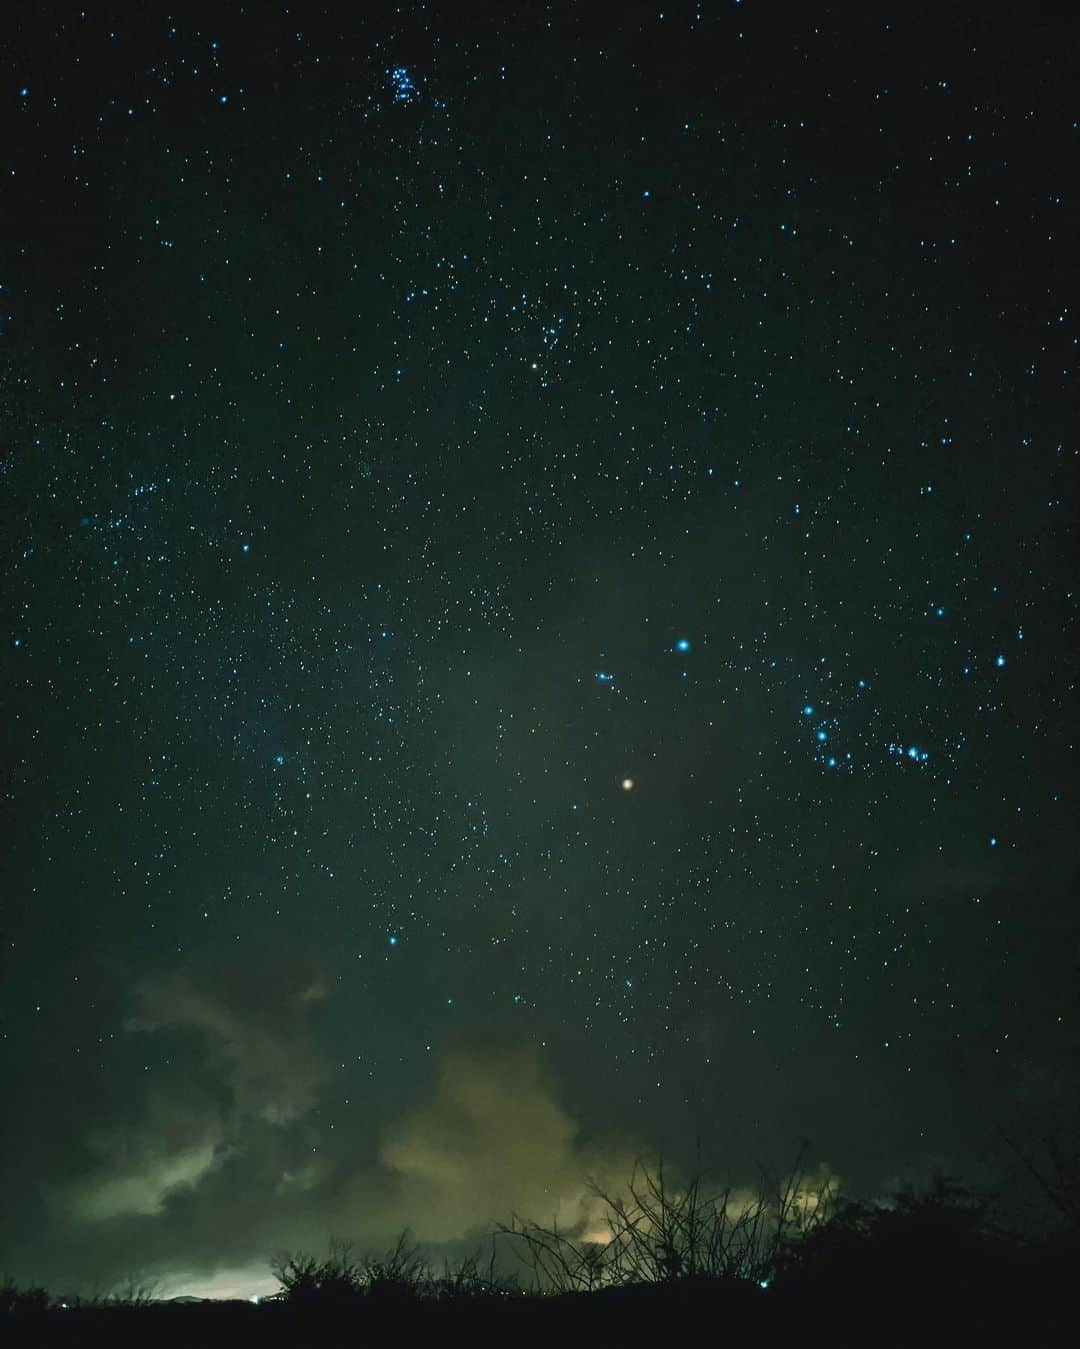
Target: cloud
[(243, 1067), (142, 1187), (225, 1162), (493, 1141), (307, 1176), (176, 1141), (255, 1033)]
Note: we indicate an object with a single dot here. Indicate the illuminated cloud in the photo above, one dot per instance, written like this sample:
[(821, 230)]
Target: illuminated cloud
[(251, 1064), (493, 1141), (142, 1190)]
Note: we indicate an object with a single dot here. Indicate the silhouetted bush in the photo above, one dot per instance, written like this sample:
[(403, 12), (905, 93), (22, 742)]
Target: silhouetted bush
[(468, 1281), (665, 1234), (396, 1279), (910, 1248), (16, 1301), (331, 1284)]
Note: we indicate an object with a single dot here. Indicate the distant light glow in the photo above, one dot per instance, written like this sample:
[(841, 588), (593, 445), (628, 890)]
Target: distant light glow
[(627, 784), (683, 644), (250, 1283)]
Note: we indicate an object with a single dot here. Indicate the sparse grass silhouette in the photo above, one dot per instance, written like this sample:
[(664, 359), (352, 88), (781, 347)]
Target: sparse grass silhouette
[(399, 1277), (131, 1293), (15, 1301)]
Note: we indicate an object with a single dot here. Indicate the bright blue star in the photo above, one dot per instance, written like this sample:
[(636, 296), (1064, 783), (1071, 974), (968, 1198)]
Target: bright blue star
[(392, 941), (808, 711), (1000, 662), (683, 644), (912, 752), (822, 736), (280, 760)]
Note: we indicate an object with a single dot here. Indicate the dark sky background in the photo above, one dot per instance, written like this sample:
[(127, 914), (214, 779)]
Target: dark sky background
[(539, 614)]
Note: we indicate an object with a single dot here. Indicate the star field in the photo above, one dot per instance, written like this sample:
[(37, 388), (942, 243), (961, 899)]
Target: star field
[(530, 536)]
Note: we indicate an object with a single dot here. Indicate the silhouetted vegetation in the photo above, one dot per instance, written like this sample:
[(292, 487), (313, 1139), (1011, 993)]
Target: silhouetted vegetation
[(789, 1250), (940, 1246), (400, 1276), (1055, 1168), (21, 1301), (662, 1234)]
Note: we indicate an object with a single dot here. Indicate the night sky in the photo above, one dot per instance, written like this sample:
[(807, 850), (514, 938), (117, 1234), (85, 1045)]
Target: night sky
[(539, 612)]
